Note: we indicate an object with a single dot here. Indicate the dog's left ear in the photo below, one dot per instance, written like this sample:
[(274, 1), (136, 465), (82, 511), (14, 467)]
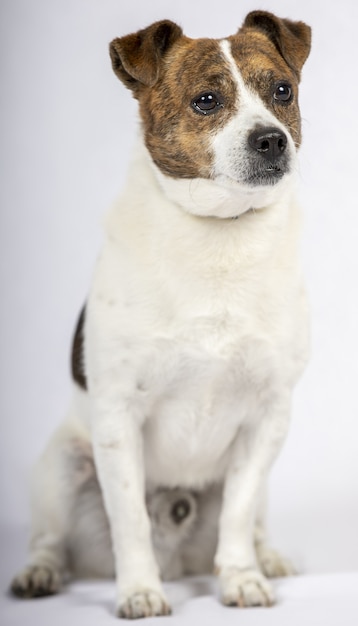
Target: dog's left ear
[(292, 39), (136, 58)]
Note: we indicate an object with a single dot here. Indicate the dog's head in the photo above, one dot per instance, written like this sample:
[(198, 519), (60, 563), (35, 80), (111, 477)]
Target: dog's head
[(222, 112)]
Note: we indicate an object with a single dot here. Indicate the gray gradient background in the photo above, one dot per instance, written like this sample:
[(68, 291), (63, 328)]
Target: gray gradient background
[(67, 126)]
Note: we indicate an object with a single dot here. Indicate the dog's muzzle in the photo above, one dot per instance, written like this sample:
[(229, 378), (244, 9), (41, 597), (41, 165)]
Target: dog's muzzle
[(268, 155)]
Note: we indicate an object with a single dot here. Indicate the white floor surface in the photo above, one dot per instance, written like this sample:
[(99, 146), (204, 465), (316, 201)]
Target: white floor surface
[(306, 600)]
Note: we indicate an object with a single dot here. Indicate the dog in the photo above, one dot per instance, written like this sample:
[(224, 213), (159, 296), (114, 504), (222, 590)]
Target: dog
[(194, 333)]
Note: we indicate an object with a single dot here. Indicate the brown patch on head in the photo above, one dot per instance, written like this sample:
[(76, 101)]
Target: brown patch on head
[(262, 68), (167, 71), (166, 82), (176, 135), (269, 51)]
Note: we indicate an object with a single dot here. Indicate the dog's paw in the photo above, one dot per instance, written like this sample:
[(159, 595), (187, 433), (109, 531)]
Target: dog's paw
[(35, 582), (272, 564), (245, 588), (145, 603)]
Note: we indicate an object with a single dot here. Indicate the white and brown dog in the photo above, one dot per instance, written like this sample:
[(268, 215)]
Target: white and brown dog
[(194, 333)]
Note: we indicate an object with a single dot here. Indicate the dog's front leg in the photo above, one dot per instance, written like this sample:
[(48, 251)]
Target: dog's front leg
[(117, 440), (255, 448)]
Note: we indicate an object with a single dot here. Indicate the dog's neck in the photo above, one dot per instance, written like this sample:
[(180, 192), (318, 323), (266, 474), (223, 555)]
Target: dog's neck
[(220, 199), (152, 206)]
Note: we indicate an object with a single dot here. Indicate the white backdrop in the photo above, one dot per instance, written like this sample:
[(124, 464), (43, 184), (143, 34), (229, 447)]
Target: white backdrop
[(67, 127)]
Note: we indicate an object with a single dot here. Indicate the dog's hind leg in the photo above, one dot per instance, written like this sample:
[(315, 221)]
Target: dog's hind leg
[(55, 482)]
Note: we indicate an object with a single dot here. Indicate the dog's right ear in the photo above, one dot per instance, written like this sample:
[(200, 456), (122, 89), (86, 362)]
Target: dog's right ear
[(136, 58)]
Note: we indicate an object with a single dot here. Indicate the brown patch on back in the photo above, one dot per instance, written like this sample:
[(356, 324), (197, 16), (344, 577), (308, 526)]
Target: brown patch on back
[(77, 360)]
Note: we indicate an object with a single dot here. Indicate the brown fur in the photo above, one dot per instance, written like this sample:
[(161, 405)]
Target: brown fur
[(166, 71), (262, 68), (77, 360), (175, 134), (136, 58), (291, 39)]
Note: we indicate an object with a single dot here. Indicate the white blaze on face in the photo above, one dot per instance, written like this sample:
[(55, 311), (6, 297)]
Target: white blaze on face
[(230, 144)]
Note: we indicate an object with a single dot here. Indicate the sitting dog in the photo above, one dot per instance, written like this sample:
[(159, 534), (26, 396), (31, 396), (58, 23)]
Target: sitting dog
[(194, 333)]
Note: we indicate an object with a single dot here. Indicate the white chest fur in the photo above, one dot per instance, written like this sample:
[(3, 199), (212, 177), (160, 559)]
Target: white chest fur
[(207, 386)]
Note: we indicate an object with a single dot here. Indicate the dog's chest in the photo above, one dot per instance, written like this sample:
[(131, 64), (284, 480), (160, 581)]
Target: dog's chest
[(201, 332), (207, 381)]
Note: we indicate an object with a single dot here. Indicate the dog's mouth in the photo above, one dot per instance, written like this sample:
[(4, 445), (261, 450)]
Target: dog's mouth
[(269, 175), (256, 175), (255, 171), (260, 172), (261, 177)]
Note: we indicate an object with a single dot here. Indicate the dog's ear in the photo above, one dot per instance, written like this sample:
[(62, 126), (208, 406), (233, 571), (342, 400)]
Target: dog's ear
[(136, 58), (292, 39)]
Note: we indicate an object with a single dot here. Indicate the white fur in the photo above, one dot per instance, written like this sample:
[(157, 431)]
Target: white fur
[(196, 357), (196, 333)]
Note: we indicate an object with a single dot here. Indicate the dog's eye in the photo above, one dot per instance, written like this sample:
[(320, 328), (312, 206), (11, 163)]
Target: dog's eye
[(283, 93), (207, 103)]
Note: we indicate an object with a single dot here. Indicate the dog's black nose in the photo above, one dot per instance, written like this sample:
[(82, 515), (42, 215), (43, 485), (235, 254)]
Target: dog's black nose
[(271, 143)]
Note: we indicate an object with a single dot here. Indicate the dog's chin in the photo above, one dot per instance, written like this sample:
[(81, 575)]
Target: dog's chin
[(222, 197), (256, 190)]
